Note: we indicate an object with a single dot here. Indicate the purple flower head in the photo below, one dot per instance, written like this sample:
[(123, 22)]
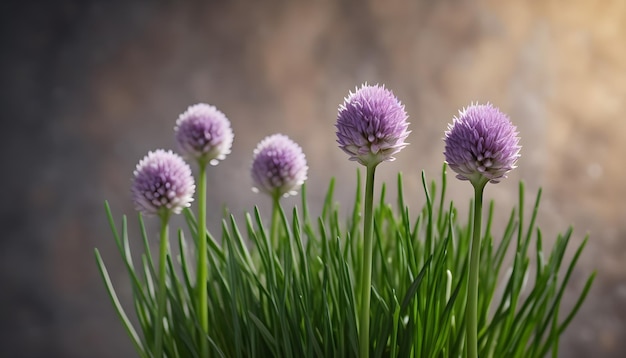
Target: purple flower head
[(278, 166), (372, 125), (163, 183), (481, 144), (204, 133)]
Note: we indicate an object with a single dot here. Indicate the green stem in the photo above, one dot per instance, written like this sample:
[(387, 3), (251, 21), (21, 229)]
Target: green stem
[(366, 271), (472, 283), (158, 319), (202, 304), (275, 221)]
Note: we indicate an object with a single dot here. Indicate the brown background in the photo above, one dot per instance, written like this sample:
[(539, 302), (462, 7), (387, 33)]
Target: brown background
[(89, 87)]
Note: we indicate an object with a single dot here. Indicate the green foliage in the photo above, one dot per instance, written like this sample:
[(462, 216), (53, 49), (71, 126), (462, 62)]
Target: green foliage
[(298, 299)]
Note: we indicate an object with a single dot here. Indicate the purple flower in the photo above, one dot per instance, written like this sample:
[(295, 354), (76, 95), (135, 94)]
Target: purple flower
[(372, 125), (204, 133), (163, 183), (481, 144), (278, 166)]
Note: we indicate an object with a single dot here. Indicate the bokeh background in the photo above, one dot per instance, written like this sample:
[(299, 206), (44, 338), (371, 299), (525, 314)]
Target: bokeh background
[(88, 87)]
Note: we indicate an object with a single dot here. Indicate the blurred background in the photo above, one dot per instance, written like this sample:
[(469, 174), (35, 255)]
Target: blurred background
[(89, 87)]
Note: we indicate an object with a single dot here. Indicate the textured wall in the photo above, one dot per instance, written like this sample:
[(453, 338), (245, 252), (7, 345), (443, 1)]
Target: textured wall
[(88, 87)]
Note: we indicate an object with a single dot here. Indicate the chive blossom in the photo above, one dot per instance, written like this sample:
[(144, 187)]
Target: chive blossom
[(204, 133), (481, 144), (279, 166), (372, 125), (162, 184)]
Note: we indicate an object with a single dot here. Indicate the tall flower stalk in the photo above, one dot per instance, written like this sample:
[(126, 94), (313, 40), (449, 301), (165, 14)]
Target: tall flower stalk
[(481, 146), (366, 268), (161, 292), (204, 134), (163, 185), (202, 270), (279, 168), (371, 127)]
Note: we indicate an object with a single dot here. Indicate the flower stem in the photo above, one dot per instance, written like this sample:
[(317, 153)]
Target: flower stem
[(202, 304), (366, 271), (275, 220), (472, 283), (158, 319)]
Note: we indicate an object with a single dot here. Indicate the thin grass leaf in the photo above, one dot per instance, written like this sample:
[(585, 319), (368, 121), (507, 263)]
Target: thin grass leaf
[(130, 330)]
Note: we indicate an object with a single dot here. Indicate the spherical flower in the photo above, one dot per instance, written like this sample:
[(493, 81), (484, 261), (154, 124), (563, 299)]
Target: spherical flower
[(204, 133), (163, 184), (372, 125), (481, 144), (278, 166)]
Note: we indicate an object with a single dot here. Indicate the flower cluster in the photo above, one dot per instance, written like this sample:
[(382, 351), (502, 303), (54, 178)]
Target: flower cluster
[(481, 144), (372, 125), (203, 133), (163, 183), (278, 166)]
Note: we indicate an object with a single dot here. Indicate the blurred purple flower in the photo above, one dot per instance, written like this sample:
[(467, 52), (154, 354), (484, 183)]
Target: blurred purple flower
[(481, 144), (279, 166), (372, 125), (204, 133), (163, 183)]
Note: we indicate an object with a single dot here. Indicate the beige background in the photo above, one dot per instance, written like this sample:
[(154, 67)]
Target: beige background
[(89, 87)]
